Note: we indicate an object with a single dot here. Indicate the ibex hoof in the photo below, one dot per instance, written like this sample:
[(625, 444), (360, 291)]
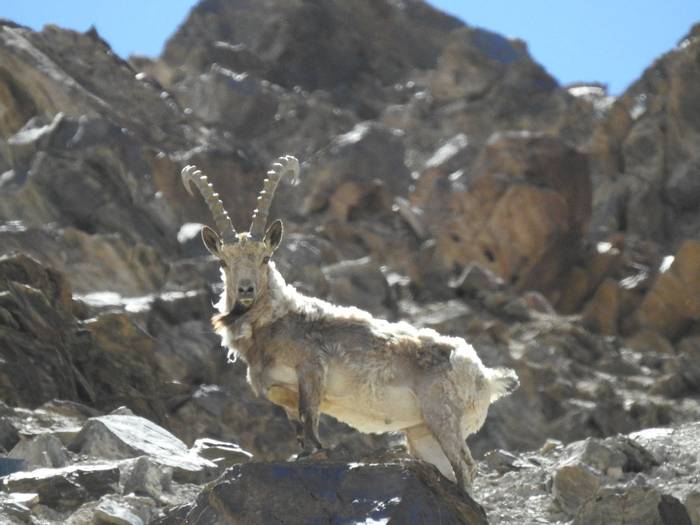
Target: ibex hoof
[(316, 454)]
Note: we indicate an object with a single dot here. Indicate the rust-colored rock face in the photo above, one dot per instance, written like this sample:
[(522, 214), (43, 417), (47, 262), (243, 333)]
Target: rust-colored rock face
[(645, 152), (673, 302), (523, 213)]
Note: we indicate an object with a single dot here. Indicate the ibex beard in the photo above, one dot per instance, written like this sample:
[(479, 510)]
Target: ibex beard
[(310, 356)]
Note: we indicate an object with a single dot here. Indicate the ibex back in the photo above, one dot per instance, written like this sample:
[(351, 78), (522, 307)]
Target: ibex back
[(310, 356)]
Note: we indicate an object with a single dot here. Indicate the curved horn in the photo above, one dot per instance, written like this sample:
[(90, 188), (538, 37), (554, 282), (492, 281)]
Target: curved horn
[(279, 168), (221, 219)]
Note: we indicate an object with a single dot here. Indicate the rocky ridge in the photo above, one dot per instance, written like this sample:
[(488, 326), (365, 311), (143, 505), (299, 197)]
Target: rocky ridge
[(454, 184)]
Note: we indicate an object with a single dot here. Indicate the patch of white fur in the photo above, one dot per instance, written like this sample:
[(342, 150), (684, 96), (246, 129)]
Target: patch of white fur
[(221, 303)]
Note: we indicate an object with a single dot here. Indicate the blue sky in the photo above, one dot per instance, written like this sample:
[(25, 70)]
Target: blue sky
[(609, 41)]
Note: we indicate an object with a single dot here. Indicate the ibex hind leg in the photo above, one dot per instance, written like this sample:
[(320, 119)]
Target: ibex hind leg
[(423, 445), (297, 427), (443, 419)]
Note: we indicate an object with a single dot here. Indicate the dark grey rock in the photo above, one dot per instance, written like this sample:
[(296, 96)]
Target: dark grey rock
[(367, 155), (573, 486), (360, 283), (611, 456), (127, 510), (673, 512), (68, 487), (320, 492), (44, 450), (15, 511), (503, 461), (689, 362), (692, 505), (128, 436), (623, 504), (146, 477), (370, 48), (683, 186), (247, 104), (8, 434)]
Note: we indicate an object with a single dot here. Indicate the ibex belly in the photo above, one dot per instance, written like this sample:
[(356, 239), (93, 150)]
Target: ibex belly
[(351, 400), (369, 408)]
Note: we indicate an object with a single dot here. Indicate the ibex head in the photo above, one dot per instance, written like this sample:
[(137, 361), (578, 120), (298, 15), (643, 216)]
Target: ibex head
[(243, 256)]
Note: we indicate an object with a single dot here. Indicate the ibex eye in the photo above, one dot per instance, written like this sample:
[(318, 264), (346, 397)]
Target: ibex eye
[(266, 259)]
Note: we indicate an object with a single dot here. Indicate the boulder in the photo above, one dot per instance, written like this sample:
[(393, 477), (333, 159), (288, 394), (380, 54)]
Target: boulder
[(611, 456), (692, 504), (128, 436), (310, 492), (129, 510), (145, 476), (573, 486), (602, 312), (245, 103), (44, 450), (673, 302), (67, 487), (522, 215), (641, 504), (343, 180), (360, 283), (9, 436), (15, 508)]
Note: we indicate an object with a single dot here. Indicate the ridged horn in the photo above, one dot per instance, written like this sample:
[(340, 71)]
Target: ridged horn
[(279, 168), (223, 222)]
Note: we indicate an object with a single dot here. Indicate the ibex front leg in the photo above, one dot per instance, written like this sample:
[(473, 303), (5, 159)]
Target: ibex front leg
[(311, 376)]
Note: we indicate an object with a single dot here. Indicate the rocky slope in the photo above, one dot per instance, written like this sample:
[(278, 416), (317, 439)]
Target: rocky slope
[(448, 180)]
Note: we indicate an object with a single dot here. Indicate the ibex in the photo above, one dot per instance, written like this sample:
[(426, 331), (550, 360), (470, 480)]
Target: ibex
[(310, 356)]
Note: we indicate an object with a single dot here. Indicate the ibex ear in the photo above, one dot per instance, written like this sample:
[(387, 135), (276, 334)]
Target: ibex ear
[(211, 240), (273, 235)]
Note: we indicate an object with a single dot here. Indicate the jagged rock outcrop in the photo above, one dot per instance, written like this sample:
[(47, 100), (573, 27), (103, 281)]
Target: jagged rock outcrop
[(41, 77), (47, 354), (645, 152), (358, 53), (522, 212)]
